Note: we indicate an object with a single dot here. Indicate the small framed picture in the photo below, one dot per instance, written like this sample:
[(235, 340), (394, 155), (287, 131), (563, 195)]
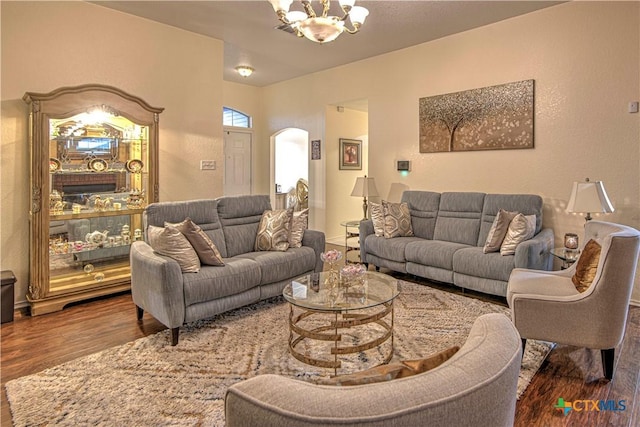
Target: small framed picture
[(350, 154), (315, 149)]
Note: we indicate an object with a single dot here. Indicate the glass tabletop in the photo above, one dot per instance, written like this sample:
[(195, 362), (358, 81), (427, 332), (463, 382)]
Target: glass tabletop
[(317, 292)]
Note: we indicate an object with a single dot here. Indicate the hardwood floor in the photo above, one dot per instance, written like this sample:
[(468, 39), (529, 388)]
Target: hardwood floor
[(31, 344)]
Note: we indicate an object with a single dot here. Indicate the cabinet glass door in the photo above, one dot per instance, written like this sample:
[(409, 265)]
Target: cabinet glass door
[(97, 191)]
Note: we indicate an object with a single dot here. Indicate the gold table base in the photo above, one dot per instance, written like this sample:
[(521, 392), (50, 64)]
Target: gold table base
[(331, 332)]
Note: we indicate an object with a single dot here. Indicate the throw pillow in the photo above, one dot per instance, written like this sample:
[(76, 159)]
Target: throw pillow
[(204, 247), (392, 371), (170, 242), (397, 220), (273, 231), (498, 231), (587, 266), (299, 223), (377, 217), (520, 229)]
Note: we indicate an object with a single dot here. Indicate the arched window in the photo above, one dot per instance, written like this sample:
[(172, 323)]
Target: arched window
[(235, 118)]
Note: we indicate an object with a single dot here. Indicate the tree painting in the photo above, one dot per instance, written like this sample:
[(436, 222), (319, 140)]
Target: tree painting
[(490, 118)]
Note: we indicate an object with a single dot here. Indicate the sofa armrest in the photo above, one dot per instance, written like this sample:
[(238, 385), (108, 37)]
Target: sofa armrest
[(315, 240), (157, 285), (366, 228), (535, 253)]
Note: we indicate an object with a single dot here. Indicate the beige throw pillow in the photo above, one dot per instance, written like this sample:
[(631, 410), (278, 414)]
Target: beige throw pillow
[(392, 371), (397, 220), (587, 266), (204, 247), (498, 231), (299, 223), (273, 231), (520, 229), (377, 217), (170, 242)]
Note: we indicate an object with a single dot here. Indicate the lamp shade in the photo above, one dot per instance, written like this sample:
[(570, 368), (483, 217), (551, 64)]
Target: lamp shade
[(589, 197), (364, 187)]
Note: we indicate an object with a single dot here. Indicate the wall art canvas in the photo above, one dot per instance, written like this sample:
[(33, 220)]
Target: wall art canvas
[(315, 149), (350, 154), (490, 118)]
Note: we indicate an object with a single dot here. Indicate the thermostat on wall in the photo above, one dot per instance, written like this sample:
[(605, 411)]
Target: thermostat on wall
[(404, 165)]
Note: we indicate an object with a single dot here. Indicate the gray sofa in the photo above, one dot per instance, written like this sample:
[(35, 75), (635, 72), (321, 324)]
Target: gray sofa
[(450, 230), (159, 287), (476, 387)]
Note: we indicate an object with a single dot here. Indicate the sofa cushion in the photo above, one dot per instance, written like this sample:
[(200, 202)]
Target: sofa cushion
[(204, 213), (520, 229), (402, 369), (274, 230), (527, 204), (397, 220), (202, 244), (459, 218), (299, 223), (168, 241), (236, 276), (473, 261), (423, 206), (498, 230), (587, 266), (377, 218), (278, 266), (240, 216), (434, 253), (391, 249)]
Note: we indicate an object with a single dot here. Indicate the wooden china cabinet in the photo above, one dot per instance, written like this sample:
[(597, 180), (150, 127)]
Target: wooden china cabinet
[(94, 168)]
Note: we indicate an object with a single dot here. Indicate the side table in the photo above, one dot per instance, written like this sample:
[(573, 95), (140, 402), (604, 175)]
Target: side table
[(567, 256), (351, 241)]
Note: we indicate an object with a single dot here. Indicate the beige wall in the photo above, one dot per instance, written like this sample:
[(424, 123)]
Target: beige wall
[(341, 206), (46, 45), (584, 58)]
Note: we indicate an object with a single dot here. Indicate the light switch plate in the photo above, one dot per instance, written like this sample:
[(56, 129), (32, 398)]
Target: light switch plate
[(633, 107), (207, 165)]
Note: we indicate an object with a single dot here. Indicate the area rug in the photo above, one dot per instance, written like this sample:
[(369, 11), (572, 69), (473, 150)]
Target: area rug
[(148, 382)]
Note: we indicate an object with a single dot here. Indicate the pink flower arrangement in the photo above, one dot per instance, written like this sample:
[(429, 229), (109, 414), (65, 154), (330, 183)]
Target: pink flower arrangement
[(352, 270), (331, 256)]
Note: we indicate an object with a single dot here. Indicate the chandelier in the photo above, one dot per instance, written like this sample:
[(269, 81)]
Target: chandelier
[(320, 28)]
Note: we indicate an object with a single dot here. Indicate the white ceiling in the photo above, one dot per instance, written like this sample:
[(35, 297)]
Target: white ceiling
[(250, 38)]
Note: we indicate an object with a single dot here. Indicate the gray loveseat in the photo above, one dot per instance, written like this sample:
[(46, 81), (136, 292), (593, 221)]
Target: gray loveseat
[(450, 230), (476, 387), (174, 298)]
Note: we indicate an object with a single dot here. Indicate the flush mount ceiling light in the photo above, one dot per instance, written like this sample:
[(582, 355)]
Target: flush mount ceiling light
[(244, 70), (320, 28)]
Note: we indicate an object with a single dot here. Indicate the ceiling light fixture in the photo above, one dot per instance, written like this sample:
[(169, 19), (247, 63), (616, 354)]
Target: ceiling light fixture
[(320, 28), (244, 70)]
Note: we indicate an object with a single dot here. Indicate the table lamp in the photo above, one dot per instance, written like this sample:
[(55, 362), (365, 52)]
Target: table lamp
[(589, 197), (364, 187)]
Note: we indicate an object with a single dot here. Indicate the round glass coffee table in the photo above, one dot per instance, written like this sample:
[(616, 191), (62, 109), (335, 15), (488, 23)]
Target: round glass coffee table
[(332, 317)]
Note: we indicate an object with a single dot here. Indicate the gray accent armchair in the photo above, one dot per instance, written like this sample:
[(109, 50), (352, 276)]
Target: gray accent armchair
[(546, 305), (477, 386)]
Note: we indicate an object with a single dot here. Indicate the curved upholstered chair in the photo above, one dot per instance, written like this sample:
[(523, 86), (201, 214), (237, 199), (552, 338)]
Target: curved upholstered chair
[(547, 306), (476, 386)]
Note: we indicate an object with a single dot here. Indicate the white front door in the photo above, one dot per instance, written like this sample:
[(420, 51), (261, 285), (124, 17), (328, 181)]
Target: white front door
[(237, 163)]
